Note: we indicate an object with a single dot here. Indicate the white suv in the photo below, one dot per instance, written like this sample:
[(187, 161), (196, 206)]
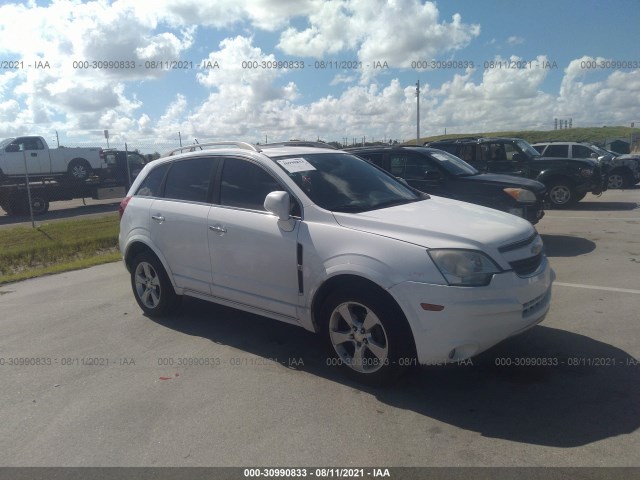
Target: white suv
[(322, 239)]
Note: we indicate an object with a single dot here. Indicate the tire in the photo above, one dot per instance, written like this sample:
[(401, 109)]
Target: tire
[(579, 196), (561, 194), (618, 180), (356, 320), (39, 205), (151, 286), (79, 170)]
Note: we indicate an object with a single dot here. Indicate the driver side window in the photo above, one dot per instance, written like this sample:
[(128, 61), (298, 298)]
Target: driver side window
[(245, 185)]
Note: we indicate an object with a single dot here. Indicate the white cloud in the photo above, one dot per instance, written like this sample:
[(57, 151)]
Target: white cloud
[(397, 32), (515, 40)]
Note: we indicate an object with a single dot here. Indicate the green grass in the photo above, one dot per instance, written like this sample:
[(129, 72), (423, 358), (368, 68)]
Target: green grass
[(596, 135), (57, 247)]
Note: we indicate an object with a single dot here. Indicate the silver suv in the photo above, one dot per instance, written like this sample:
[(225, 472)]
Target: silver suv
[(624, 170), (319, 238)]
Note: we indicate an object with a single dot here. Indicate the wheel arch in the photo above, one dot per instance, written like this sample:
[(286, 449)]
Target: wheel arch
[(349, 280), (548, 178), (136, 247)]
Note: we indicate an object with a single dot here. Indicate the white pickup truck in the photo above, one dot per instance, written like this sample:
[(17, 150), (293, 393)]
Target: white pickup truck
[(77, 164)]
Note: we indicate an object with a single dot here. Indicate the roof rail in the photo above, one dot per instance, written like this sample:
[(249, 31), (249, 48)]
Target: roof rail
[(298, 143), (195, 146)]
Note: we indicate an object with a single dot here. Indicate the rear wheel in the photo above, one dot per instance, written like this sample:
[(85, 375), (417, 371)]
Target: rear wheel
[(561, 194), (79, 170), (151, 286), (367, 336)]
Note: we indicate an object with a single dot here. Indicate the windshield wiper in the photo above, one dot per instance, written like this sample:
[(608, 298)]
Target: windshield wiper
[(348, 208)]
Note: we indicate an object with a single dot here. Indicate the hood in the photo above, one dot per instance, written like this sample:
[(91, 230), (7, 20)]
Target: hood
[(507, 181), (441, 223)]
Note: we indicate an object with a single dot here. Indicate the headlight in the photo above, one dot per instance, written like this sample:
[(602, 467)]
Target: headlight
[(586, 172), (521, 195), (465, 268)]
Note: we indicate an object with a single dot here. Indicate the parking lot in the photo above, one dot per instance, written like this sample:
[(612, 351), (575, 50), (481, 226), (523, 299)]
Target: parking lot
[(99, 384)]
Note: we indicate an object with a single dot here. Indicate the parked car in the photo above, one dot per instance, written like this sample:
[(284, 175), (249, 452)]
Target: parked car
[(323, 239), (443, 174), (624, 170), (76, 164), (567, 180)]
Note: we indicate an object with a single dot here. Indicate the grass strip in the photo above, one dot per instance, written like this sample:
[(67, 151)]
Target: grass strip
[(56, 247)]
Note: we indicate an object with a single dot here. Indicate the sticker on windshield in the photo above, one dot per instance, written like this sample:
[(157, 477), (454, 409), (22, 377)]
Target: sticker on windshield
[(293, 165)]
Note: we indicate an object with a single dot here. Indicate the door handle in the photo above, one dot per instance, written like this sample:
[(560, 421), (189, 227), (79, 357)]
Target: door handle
[(34, 154), (158, 218), (217, 228)]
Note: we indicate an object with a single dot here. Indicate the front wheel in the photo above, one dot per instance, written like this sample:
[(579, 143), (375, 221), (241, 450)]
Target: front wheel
[(151, 286), (561, 194), (367, 336), (618, 180)]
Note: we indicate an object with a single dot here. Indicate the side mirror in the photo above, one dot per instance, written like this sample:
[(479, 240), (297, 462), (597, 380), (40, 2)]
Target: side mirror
[(517, 157), (594, 156), (279, 204), (12, 148)]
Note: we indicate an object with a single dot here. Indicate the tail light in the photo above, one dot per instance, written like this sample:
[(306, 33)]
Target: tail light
[(123, 205)]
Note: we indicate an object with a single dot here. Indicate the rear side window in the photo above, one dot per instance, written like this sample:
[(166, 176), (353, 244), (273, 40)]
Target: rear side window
[(245, 185), (189, 179), (150, 186), (558, 151)]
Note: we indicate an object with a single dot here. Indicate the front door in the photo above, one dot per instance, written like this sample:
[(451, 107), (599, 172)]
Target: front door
[(505, 158), (253, 260)]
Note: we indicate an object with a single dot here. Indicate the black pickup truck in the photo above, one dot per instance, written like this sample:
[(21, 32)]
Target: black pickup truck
[(567, 180)]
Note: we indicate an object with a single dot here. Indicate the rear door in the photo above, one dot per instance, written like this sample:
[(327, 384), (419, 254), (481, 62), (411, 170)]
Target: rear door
[(178, 222), (254, 261)]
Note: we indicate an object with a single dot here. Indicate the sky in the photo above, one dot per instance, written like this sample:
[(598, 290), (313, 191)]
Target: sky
[(336, 70)]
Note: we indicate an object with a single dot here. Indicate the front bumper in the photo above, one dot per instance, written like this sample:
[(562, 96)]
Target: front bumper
[(474, 318)]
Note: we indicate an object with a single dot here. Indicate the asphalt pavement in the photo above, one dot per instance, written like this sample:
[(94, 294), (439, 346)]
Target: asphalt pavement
[(87, 380)]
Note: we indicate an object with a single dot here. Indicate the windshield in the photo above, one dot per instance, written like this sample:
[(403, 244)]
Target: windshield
[(344, 183), (6, 142), (528, 149), (602, 151), (452, 164)]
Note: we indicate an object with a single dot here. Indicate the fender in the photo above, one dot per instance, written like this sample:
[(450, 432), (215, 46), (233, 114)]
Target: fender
[(142, 238)]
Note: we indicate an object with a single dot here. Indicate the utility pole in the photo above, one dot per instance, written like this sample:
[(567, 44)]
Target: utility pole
[(418, 112)]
